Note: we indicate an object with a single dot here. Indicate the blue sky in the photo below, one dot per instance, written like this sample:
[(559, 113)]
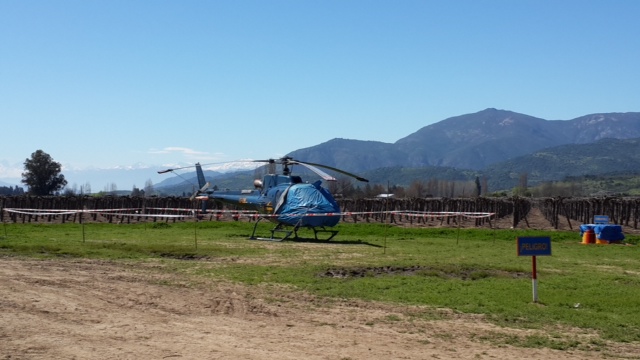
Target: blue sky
[(117, 83)]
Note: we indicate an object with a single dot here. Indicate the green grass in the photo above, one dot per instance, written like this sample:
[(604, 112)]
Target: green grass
[(593, 288)]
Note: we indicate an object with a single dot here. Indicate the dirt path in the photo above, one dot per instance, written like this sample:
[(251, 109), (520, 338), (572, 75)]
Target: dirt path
[(61, 309)]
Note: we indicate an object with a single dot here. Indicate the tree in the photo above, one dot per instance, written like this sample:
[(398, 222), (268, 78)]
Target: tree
[(378, 189), (523, 182), (485, 185), (42, 174), (70, 191), (523, 188), (433, 188), (342, 187), (416, 189), (148, 188), (397, 191), (137, 192), (478, 187), (85, 189)]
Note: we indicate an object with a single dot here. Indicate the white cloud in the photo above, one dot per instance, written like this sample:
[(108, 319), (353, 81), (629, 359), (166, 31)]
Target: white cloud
[(176, 149), (183, 154)]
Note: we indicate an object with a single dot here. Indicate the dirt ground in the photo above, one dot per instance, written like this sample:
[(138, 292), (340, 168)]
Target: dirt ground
[(91, 309)]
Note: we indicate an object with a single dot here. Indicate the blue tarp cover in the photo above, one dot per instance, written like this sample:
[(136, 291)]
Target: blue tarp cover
[(308, 199), (609, 232)]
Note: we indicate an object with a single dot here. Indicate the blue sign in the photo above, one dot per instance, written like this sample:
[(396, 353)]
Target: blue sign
[(534, 246), (600, 219)]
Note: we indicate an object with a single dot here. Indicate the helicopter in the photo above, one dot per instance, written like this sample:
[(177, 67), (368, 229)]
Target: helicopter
[(283, 199)]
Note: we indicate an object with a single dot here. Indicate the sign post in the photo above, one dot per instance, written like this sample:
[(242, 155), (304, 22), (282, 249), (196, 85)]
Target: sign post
[(534, 246)]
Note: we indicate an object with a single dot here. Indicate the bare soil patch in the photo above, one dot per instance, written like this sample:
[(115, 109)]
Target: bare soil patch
[(91, 309)]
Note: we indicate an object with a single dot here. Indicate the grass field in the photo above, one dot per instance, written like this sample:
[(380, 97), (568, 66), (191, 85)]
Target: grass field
[(594, 289)]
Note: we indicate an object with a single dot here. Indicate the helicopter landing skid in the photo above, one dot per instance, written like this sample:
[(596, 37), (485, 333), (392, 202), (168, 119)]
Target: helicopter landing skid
[(280, 229), (323, 230)]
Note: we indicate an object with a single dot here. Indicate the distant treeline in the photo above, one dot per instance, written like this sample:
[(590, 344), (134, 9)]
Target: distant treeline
[(8, 190)]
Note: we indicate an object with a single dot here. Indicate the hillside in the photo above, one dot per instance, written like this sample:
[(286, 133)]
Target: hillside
[(472, 141), (601, 159), (355, 155), (495, 144), (604, 157), (609, 165)]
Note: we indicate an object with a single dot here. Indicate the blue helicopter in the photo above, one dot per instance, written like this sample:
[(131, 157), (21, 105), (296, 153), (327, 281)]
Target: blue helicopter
[(283, 199)]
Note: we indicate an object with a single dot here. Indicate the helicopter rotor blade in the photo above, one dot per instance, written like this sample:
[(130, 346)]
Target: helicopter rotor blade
[(188, 167), (313, 167), (271, 164), (307, 164), (173, 169), (319, 172)]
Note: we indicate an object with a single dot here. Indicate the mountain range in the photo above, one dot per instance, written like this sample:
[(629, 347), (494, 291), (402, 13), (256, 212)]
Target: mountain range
[(473, 141), (497, 144)]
